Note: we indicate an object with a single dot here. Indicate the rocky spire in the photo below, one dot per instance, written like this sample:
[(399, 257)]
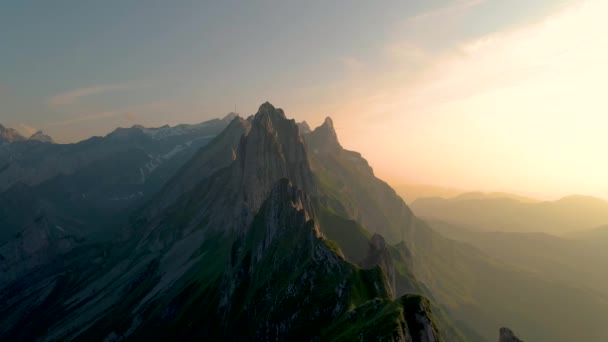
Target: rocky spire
[(304, 127), (324, 138), (272, 150)]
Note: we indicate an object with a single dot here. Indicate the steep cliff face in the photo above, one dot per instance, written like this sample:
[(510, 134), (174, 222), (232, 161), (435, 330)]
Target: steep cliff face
[(379, 255), (40, 243), (272, 150)]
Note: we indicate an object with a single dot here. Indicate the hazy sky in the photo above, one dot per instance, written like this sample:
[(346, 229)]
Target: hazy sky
[(477, 94)]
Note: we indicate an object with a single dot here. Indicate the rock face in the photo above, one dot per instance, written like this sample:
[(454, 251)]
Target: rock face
[(304, 127), (10, 135), (272, 150), (348, 177), (378, 255), (60, 198), (324, 138), (506, 335), (40, 136)]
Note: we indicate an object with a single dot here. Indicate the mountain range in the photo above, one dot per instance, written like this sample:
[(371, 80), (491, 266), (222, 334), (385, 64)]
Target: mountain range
[(256, 228), (9, 135), (509, 213), (231, 250)]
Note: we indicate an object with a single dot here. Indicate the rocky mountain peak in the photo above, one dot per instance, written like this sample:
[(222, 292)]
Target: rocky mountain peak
[(329, 123), (273, 149), (40, 136), (10, 135), (324, 138), (285, 208), (268, 115), (304, 127)]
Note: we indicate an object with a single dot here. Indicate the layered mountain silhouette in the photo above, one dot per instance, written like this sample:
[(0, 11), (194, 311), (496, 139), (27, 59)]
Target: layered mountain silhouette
[(503, 212), (61, 197), (268, 231), (230, 248), (10, 135)]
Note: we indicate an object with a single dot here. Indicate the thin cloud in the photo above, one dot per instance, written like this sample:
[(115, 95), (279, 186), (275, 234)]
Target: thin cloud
[(76, 94), (130, 112)]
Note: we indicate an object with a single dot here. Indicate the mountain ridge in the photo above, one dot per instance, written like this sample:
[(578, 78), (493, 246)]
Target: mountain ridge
[(251, 222)]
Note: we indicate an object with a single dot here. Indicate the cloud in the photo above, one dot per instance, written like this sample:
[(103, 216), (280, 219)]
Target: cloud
[(524, 108), (558, 44), (434, 30), (565, 46), (76, 94), (130, 112)]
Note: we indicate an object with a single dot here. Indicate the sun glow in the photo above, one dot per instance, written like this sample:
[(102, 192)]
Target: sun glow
[(524, 109)]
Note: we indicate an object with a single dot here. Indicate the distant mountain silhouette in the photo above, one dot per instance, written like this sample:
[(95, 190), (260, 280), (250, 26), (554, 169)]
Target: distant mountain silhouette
[(513, 214)]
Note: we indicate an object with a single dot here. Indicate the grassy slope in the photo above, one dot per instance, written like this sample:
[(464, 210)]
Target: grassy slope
[(479, 292)]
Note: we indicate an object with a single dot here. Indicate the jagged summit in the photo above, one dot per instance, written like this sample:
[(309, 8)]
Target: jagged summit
[(304, 127), (10, 135), (268, 112), (273, 149), (324, 138), (40, 136), (329, 123)]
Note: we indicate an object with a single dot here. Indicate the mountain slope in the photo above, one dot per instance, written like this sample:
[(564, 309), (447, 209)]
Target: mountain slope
[(238, 253), (105, 179), (480, 293)]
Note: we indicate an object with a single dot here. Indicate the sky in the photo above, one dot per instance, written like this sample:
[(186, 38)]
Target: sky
[(490, 95)]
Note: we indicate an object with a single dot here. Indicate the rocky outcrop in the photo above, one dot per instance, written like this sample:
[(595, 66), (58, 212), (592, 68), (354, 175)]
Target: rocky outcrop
[(349, 177), (40, 136), (304, 127), (39, 244), (506, 335), (10, 135), (296, 283), (324, 138), (272, 150), (378, 255)]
